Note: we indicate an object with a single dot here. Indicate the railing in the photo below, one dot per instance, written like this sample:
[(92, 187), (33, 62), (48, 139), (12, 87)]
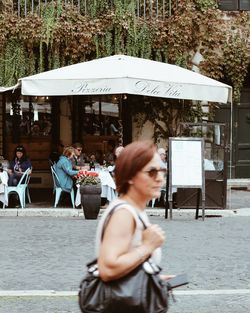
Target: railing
[(142, 8)]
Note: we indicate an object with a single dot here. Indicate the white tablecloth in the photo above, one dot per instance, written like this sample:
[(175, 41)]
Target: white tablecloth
[(3, 185), (108, 187)]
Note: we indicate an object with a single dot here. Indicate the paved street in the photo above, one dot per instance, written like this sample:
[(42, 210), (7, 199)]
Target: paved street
[(39, 253)]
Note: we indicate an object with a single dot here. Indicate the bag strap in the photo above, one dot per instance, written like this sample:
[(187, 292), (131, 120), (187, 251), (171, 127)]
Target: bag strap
[(92, 264), (110, 214)]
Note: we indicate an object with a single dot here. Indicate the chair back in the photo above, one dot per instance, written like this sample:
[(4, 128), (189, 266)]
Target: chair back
[(55, 177), (25, 178)]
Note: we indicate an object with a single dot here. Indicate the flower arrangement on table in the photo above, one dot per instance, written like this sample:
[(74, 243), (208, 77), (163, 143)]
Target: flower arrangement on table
[(87, 178)]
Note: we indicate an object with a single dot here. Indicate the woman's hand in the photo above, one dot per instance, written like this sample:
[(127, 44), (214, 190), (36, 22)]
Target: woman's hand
[(153, 237)]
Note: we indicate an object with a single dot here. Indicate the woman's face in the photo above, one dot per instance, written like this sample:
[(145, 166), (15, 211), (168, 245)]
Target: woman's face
[(149, 180), (19, 154)]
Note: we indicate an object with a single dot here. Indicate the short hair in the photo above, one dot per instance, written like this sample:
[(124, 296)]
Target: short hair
[(118, 150), (131, 161), (20, 148), (68, 151), (161, 151), (77, 145)]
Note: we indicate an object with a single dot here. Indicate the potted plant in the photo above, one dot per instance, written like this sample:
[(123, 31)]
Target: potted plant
[(90, 189)]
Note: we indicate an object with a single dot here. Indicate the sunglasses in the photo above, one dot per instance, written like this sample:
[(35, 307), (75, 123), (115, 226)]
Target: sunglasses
[(79, 149), (153, 172)]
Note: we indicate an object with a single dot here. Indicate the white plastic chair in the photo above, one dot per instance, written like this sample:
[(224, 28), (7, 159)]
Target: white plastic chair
[(58, 189), (21, 187), (27, 193)]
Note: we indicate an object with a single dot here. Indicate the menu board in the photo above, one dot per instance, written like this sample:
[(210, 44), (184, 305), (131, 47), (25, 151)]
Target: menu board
[(186, 161)]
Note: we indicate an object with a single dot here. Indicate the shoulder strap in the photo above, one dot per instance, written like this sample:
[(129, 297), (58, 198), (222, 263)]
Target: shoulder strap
[(110, 214)]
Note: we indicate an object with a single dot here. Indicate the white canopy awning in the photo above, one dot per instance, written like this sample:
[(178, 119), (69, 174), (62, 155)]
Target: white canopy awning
[(4, 89), (120, 74)]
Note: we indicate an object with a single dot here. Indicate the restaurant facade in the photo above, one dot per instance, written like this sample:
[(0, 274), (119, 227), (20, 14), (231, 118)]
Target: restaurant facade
[(43, 123)]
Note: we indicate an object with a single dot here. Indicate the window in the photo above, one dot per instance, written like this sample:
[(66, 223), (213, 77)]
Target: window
[(234, 5), (101, 117), (34, 118)]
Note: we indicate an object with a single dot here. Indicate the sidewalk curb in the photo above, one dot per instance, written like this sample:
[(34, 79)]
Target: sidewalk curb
[(68, 212)]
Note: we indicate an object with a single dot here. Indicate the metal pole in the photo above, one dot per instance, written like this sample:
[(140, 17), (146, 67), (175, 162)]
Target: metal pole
[(120, 127)]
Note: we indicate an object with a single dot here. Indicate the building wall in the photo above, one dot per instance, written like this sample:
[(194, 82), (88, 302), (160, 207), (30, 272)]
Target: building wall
[(65, 121), (147, 134)]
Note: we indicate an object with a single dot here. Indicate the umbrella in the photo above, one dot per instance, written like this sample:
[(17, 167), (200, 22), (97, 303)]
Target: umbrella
[(121, 74)]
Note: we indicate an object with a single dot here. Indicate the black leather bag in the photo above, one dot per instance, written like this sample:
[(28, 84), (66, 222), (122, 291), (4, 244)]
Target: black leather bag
[(140, 291)]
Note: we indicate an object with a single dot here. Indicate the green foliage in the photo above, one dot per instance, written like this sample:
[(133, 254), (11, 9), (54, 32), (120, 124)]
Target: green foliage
[(204, 5), (237, 60), (12, 63), (165, 115), (60, 36)]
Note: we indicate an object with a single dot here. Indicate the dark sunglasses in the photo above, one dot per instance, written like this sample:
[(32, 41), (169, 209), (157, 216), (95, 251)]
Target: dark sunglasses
[(153, 172), (79, 149)]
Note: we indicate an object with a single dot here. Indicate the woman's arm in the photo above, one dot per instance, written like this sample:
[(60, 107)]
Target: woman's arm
[(116, 259), (67, 167)]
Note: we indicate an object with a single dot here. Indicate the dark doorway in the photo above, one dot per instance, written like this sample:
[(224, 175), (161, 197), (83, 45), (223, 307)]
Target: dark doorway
[(241, 130), (242, 137)]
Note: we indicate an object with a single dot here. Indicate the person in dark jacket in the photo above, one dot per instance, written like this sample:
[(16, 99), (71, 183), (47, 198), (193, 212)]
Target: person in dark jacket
[(18, 165)]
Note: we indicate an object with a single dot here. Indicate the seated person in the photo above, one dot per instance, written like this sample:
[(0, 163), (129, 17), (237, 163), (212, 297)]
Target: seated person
[(92, 161), (64, 169), (109, 155), (118, 151), (163, 155), (18, 165), (99, 156), (78, 160)]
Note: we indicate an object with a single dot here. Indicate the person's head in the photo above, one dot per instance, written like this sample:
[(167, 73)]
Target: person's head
[(118, 151), (77, 148), (92, 158), (162, 154), (69, 152), (20, 152), (138, 168)]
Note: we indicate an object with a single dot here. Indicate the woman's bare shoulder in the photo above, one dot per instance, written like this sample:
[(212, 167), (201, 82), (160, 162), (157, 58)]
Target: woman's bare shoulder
[(121, 221)]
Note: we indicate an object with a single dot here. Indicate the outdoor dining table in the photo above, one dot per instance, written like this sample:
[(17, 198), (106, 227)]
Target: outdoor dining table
[(3, 186), (107, 184)]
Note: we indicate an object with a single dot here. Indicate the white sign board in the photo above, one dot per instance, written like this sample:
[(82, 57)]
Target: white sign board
[(186, 162)]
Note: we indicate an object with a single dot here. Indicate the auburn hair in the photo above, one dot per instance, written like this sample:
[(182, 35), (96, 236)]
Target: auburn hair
[(68, 151), (131, 161)]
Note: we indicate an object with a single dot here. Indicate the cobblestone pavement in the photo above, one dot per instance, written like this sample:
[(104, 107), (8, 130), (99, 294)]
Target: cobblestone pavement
[(40, 253), (238, 199)]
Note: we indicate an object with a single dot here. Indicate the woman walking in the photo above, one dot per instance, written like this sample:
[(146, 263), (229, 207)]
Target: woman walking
[(125, 243)]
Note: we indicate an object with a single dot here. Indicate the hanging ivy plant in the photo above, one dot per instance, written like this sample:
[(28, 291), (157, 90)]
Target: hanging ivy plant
[(237, 60), (60, 36)]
